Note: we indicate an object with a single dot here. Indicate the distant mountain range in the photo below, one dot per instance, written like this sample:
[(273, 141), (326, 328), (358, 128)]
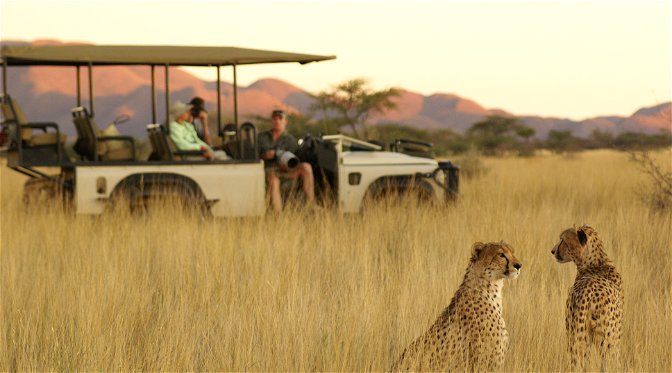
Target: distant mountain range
[(49, 93)]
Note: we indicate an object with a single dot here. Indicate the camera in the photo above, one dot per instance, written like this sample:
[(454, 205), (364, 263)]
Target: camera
[(286, 159)]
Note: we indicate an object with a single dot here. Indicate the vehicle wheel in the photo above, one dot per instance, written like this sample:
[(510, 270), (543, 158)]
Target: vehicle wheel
[(398, 192), (147, 202)]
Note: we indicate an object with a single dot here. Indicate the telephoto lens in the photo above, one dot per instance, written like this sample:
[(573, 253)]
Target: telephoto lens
[(287, 159)]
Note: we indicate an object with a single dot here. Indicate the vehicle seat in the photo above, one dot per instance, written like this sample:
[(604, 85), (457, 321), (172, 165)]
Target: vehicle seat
[(12, 113), (243, 146), (96, 145), (229, 143), (248, 138), (45, 148), (413, 148)]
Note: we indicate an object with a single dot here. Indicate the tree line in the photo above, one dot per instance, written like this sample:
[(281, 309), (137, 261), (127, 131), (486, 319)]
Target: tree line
[(347, 108)]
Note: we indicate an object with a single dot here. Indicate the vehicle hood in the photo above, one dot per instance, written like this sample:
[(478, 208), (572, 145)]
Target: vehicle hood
[(383, 158)]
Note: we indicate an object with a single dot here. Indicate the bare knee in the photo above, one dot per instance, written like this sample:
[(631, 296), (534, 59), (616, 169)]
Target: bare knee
[(273, 181), (306, 169)]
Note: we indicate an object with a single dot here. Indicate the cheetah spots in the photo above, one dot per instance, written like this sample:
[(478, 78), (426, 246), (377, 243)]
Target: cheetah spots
[(470, 334), (598, 288)]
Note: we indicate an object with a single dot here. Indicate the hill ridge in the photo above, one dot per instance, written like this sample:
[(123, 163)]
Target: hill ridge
[(48, 94)]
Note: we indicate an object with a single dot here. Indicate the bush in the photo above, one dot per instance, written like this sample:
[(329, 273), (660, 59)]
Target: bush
[(471, 165), (659, 195)]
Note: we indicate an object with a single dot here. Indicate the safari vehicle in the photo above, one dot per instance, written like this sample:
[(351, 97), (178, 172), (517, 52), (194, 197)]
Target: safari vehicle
[(107, 170)]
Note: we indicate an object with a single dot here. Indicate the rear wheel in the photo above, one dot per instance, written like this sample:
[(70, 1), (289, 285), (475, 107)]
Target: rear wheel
[(163, 197)]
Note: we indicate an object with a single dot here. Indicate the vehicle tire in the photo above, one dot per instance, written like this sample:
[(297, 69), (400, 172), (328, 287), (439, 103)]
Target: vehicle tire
[(147, 199), (173, 198), (398, 189)]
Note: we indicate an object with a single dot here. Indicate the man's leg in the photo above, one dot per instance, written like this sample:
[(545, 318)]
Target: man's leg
[(273, 185), (305, 171), (308, 181)]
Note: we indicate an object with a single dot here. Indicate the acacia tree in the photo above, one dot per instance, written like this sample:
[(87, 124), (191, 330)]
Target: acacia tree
[(495, 134), (562, 141), (525, 133), (353, 102)]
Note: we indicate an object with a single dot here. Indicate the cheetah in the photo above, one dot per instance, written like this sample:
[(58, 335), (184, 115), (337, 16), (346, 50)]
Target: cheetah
[(470, 333), (594, 314)]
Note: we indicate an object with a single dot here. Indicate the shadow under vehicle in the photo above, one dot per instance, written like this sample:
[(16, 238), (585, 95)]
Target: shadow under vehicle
[(107, 171)]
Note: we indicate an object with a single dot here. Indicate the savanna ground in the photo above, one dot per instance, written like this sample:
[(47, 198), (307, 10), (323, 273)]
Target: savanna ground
[(321, 291)]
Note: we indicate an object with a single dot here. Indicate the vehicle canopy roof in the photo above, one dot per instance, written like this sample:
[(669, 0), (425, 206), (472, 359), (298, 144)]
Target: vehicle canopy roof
[(76, 55), (148, 55)]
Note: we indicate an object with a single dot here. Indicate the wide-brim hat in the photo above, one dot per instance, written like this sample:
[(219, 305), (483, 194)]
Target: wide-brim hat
[(178, 108)]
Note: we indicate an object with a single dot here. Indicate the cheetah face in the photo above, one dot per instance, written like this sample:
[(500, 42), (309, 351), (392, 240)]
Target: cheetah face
[(572, 245), (496, 260)]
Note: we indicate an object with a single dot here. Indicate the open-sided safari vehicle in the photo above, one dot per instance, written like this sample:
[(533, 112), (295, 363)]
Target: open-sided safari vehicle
[(107, 170)]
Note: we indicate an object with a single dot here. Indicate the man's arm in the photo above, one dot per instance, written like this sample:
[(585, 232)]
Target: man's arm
[(288, 143), (265, 143), (203, 117)]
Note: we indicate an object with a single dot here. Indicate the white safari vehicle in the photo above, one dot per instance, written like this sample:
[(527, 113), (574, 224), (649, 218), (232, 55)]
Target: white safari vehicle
[(107, 171)]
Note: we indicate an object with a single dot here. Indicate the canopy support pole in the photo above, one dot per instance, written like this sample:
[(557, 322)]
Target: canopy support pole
[(167, 98), (235, 97), (219, 102), (91, 89), (4, 77), (79, 87), (153, 96)]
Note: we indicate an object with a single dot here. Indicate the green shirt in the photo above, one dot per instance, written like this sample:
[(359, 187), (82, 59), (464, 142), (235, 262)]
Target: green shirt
[(285, 142), (184, 136)]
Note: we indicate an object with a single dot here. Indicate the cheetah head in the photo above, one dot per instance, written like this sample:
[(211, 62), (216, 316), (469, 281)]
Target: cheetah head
[(573, 245), (495, 260)]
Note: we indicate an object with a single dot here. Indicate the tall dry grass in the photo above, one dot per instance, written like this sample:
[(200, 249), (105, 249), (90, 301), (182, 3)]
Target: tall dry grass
[(322, 291)]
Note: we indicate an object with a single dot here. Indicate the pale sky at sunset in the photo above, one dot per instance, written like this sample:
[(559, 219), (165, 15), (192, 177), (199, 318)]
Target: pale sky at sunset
[(566, 59)]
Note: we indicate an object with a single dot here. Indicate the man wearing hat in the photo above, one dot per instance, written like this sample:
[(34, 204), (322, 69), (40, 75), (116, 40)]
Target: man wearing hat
[(184, 135), (269, 142), (198, 112)]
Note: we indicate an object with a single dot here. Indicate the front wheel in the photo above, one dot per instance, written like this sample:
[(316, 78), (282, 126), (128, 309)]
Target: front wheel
[(397, 191)]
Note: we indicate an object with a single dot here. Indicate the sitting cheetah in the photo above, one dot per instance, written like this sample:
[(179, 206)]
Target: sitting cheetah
[(470, 333), (595, 304)]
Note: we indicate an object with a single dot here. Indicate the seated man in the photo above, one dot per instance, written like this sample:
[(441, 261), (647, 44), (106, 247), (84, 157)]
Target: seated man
[(269, 142), (198, 112), (184, 135)]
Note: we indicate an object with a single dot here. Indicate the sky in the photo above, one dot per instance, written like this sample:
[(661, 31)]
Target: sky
[(569, 59)]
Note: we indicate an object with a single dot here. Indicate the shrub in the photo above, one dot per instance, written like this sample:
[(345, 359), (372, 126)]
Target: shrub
[(659, 194), (471, 164)]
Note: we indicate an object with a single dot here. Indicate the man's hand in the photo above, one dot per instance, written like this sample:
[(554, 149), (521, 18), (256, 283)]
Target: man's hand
[(268, 154), (207, 154)]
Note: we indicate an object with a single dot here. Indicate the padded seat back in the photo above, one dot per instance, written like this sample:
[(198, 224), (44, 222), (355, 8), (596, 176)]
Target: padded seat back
[(87, 132), (94, 144), (12, 113), (159, 142), (248, 139)]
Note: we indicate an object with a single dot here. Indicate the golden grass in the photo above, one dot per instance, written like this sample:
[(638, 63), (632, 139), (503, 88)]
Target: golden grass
[(322, 291)]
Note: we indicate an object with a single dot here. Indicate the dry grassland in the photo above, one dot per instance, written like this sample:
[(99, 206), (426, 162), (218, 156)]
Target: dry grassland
[(324, 292)]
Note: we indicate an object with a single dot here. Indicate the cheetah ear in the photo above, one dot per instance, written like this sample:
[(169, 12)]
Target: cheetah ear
[(582, 236), (476, 249)]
